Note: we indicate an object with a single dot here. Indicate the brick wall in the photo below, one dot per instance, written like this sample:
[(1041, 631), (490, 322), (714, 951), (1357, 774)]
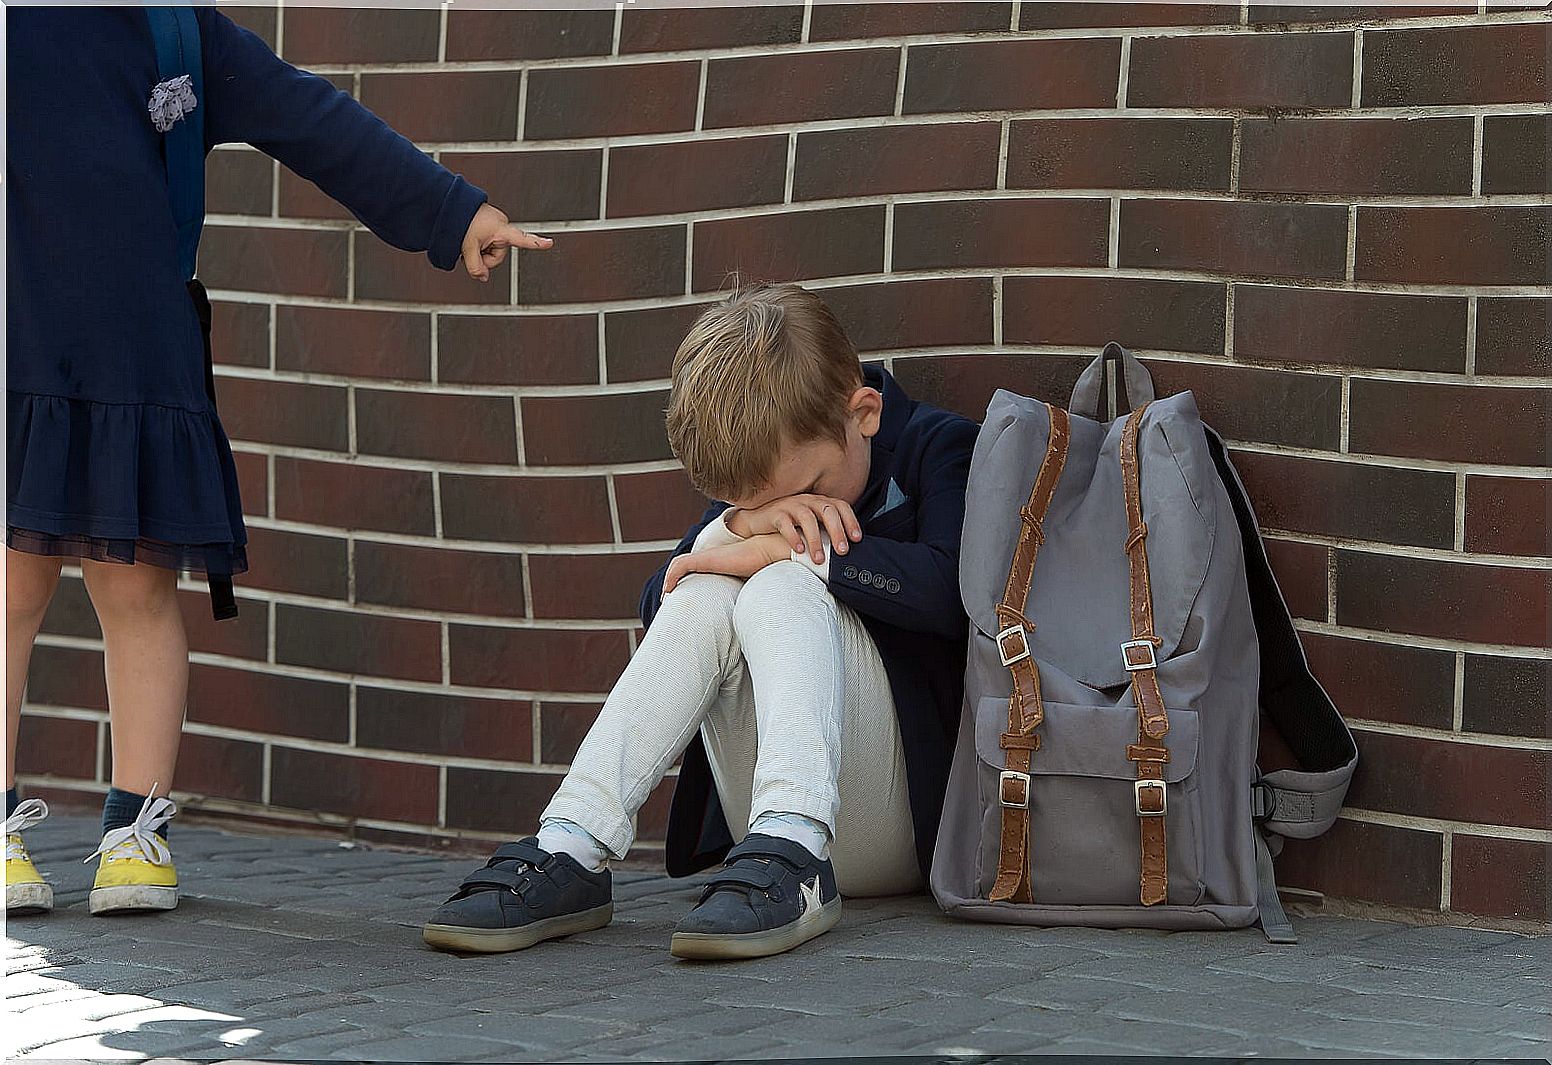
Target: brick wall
[(1332, 223)]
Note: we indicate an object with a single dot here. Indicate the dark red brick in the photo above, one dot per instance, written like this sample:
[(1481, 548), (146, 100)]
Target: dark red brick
[(699, 175), (526, 510), (259, 20), (253, 481), (590, 586), (246, 636), (442, 106), (460, 725), (1514, 154), (269, 702), (1506, 696), (1012, 75), (1266, 239), (440, 579), (475, 34), (1266, 406), (789, 246), (640, 344), (968, 233), (889, 159), (386, 273), (239, 182), (1078, 14), (530, 187), (1302, 572), (1350, 500), (448, 427), (1514, 336), (1470, 782), (284, 412), (547, 660), (1376, 863), (1242, 71), (1091, 311), (1508, 515), (495, 801), (354, 786), (57, 746), (220, 768), (833, 22), (606, 264), (1448, 600), (297, 262), (612, 101), (586, 430), (1262, 14), (356, 343), (1314, 327), (652, 818), (914, 314), (66, 676), (562, 727), (1120, 153), (327, 36), (365, 644), (1500, 878), (239, 333), (965, 383), (1460, 423), (70, 612), (660, 29), (285, 561), (1455, 65), (300, 198), (801, 87), (657, 506), (1373, 681), (1454, 245), (527, 350), (351, 495), (1356, 156)]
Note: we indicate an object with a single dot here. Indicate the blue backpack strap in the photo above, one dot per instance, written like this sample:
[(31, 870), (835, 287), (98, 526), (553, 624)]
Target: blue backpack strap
[(176, 34)]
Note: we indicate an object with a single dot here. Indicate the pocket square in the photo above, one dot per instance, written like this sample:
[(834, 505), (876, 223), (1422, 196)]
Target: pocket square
[(893, 498)]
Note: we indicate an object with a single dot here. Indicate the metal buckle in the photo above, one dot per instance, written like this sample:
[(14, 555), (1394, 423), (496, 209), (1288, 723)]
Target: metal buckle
[(1134, 667), (1002, 651), (1002, 788), (1138, 785)]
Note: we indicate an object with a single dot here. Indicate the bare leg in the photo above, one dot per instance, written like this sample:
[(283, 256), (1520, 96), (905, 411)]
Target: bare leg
[(30, 581), (146, 655)]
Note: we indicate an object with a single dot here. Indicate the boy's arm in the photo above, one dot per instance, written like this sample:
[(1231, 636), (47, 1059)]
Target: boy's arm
[(404, 196), (652, 594)]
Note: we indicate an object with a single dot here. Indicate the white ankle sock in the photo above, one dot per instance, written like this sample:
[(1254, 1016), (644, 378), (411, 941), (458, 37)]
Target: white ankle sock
[(802, 830), (564, 837)]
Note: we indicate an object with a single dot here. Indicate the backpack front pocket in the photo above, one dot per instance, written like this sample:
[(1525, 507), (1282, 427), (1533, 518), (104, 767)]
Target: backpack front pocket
[(1084, 839)]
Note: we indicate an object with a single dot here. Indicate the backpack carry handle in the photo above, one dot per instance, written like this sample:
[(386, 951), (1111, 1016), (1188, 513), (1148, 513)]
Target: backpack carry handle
[(1136, 384)]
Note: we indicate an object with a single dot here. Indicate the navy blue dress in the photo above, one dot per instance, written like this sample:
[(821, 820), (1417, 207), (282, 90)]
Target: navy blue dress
[(114, 449)]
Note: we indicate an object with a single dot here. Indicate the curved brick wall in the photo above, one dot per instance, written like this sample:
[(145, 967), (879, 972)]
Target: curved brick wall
[(456, 490)]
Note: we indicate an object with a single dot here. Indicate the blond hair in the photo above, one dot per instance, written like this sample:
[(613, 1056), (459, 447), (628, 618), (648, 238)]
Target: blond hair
[(768, 367)]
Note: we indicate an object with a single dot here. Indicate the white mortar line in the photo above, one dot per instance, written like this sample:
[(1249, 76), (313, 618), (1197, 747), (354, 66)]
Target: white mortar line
[(436, 352), (889, 237), (1426, 643), (1476, 155), (614, 508), (791, 172), (351, 708), (528, 597), (517, 414), (900, 83), (538, 721), (1474, 739), (1357, 100), (522, 104), (1113, 240), (1458, 699), (808, 21), (1002, 154), (689, 259), (603, 354), (1471, 336), (350, 418), (1123, 79), (1346, 413), (1460, 511), (1013, 21), (441, 815), (1446, 869), (1236, 140), (1330, 585), (1435, 824), (1350, 263), (998, 303), (269, 502), (603, 189), (442, 32), (436, 502), (265, 772), (619, 18), (1228, 320), (446, 651), (271, 654), (700, 96)]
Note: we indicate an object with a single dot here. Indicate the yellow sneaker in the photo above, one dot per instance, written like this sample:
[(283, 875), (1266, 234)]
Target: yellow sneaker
[(136, 873), (25, 891)]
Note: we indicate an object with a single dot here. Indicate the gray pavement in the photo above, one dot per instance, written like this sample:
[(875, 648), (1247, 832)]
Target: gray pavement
[(290, 948)]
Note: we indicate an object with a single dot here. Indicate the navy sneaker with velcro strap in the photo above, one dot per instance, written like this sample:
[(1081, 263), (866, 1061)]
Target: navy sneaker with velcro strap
[(771, 896), (523, 895)]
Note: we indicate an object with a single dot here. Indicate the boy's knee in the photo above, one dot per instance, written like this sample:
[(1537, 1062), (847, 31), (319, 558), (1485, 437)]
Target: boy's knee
[(775, 588), (703, 594)]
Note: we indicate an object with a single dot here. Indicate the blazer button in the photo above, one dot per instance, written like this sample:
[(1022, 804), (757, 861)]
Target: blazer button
[(850, 573), (880, 581), (865, 576), (893, 587)]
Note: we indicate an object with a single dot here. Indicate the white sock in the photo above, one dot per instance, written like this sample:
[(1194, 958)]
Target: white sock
[(564, 837), (808, 833)]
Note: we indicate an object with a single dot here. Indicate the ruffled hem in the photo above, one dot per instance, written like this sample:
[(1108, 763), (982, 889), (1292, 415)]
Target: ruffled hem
[(205, 560)]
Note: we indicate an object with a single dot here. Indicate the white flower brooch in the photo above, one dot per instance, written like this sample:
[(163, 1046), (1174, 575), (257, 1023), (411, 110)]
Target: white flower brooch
[(170, 101)]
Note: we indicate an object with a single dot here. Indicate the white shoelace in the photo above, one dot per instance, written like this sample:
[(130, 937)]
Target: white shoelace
[(139, 840), (28, 812)]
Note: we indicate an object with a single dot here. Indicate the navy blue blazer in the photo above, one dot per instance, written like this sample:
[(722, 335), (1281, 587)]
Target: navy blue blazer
[(902, 579)]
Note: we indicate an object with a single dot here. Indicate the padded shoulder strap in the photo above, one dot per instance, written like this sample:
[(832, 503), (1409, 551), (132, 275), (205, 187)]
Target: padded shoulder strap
[(176, 35), (1301, 802)]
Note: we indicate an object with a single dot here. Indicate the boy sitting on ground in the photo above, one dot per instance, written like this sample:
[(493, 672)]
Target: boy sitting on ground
[(805, 649)]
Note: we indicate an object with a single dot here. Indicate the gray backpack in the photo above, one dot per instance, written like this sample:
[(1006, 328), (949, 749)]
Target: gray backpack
[(1106, 768)]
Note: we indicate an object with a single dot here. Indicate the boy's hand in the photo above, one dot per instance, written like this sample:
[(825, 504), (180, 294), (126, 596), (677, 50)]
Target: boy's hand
[(736, 560), (489, 236), (798, 520)]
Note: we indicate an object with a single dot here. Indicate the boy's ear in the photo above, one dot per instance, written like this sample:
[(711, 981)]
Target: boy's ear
[(867, 406)]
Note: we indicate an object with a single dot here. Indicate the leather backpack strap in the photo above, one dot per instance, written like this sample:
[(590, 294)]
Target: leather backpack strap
[(1025, 709), (1138, 653)]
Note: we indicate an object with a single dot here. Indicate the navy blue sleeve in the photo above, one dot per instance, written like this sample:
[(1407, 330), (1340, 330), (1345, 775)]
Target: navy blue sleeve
[(400, 193), (920, 579), (652, 594)]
